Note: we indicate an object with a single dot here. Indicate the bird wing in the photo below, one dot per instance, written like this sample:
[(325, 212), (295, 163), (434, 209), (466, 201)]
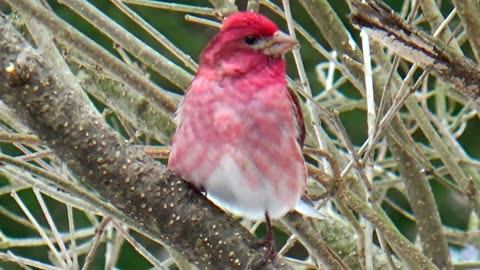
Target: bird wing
[(299, 116)]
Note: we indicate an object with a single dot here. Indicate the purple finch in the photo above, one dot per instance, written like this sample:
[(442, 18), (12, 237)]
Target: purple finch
[(240, 128)]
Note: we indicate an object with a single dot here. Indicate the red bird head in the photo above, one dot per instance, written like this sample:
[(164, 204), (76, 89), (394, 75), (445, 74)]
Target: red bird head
[(251, 37)]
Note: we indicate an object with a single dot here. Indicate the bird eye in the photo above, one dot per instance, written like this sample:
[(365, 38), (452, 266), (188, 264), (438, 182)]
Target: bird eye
[(250, 39)]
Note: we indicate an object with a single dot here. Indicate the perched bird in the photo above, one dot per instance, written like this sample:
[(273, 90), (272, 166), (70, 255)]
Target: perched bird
[(240, 129)]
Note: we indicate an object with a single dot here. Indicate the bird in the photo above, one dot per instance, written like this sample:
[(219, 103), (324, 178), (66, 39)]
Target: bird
[(240, 129)]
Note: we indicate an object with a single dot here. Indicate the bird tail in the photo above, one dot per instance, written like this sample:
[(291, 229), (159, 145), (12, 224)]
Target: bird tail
[(306, 208)]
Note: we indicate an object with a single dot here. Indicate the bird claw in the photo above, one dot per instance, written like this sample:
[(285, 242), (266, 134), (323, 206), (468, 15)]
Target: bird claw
[(268, 242), (194, 189), (271, 251)]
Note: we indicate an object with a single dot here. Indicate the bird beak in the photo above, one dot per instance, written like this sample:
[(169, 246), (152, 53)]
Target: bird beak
[(279, 44)]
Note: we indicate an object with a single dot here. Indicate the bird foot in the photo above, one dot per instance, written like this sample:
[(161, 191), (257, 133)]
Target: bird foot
[(268, 242), (271, 252), (194, 189)]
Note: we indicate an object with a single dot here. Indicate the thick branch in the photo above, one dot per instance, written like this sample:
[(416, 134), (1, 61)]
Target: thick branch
[(428, 221), (385, 26)]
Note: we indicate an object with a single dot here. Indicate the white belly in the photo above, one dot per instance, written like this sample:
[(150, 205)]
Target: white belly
[(226, 187)]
